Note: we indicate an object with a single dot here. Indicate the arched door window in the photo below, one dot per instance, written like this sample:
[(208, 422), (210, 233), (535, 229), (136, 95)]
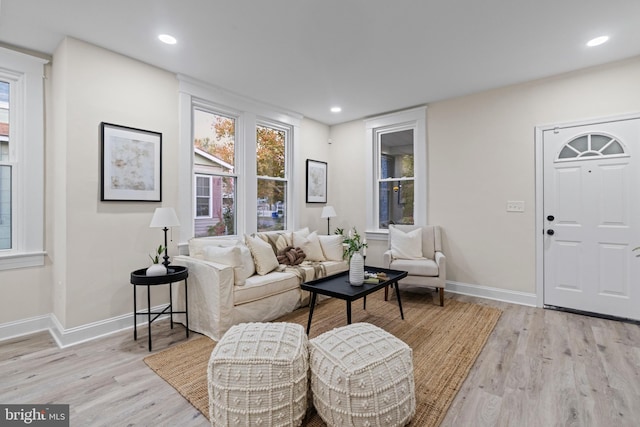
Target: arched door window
[(590, 146)]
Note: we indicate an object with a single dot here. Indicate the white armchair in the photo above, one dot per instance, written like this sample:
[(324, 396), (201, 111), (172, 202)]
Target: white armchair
[(420, 254)]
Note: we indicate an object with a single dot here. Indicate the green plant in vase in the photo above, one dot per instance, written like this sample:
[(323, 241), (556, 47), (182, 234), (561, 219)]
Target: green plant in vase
[(352, 242), (156, 259)]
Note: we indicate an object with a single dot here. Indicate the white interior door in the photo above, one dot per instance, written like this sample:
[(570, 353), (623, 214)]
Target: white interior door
[(591, 216)]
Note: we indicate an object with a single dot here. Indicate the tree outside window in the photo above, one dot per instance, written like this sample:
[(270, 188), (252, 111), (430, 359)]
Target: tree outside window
[(272, 178)]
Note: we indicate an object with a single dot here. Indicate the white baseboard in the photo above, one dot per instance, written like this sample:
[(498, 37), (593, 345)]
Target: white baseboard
[(504, 295), (72, 336)]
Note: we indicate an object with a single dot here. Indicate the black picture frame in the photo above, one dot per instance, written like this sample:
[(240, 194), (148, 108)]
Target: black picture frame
[(131, 164), (316, 181)]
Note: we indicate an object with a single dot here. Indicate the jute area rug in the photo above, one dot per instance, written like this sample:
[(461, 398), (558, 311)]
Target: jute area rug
[(445, 341)]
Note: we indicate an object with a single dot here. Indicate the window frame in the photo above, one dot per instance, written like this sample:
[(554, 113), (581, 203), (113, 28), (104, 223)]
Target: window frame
[(25, 73), (248, 114), (415, 119)]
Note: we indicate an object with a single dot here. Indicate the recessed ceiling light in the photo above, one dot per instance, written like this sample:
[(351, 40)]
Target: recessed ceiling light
[(166, 38), (336, 109), (597, 41)]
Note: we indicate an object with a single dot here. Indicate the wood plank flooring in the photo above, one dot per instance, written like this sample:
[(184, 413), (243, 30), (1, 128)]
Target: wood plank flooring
[(538, 368)]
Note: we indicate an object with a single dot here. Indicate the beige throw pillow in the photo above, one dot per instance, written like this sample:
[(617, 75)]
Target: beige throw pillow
[(263, 257), (332, 247), (234, 256), (406, 245), (310, 245)]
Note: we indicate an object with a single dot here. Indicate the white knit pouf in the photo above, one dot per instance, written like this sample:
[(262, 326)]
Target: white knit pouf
[(362, 376), (258, 376)]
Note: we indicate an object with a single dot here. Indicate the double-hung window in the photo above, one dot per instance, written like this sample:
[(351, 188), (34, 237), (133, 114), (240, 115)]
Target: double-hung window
[(236, 163), (397, 168), (21, 160)]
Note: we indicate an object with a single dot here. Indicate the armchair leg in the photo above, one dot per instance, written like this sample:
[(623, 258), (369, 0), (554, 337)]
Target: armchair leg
[(441, 291)]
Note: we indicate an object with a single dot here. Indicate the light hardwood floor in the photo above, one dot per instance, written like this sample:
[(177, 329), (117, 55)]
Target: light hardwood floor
[(538, 368)]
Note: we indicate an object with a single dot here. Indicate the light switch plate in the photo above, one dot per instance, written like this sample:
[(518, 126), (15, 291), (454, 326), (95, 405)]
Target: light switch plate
[(515, 206)]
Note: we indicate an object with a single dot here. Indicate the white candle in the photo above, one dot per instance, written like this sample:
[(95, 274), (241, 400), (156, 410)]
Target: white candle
[(364, 249)]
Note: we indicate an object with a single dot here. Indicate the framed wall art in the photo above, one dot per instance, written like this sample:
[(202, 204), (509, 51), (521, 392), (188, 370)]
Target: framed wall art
[(316, 181), (131, 168)]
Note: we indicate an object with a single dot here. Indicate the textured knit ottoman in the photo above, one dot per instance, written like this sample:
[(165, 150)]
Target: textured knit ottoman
[(258, 376), (362, 376)]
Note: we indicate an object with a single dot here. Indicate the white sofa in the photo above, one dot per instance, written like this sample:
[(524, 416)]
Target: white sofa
[(223, 291)]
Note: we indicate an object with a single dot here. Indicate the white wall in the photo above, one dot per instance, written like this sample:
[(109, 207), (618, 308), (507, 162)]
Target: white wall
[(93, 246), (97, 244), (480, 155)]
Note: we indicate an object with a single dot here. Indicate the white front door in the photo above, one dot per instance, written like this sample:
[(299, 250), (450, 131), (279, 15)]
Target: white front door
[(592, 218)]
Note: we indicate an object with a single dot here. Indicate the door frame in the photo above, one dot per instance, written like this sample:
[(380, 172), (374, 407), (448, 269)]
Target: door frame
[(539, 188)]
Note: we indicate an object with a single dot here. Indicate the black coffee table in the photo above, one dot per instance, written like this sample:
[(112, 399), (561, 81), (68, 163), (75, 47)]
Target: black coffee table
[(338, 286)]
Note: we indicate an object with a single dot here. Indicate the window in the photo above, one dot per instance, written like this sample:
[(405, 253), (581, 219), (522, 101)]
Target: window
[(6, 240), (395, 177), (213, 165), (203, 196), (271, 169), (397, 170), (21, 160), (248, 155), (591, 145)]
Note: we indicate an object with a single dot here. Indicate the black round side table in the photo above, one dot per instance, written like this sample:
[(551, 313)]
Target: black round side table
[(174, 274)]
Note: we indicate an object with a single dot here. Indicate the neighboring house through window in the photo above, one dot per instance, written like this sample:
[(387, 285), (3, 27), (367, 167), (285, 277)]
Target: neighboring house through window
[(21, 160)]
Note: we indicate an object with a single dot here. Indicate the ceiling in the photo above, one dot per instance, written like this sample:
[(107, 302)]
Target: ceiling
[(367, 56)]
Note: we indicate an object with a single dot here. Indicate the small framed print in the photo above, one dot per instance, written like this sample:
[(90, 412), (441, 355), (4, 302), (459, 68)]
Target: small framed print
[(316, 181), (131, 168)]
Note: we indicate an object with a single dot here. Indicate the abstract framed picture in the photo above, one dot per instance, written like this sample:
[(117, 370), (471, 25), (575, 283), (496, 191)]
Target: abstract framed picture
[(131, 168), (316, 181)]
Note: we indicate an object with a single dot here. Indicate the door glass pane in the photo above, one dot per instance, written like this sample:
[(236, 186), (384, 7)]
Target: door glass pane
[(396, 154), (599, 141), (613, 148), (396, 203), (272, 204), (579, 144)]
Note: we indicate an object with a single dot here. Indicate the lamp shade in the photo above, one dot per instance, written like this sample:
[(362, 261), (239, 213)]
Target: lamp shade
[(328, 212), (164, 217)]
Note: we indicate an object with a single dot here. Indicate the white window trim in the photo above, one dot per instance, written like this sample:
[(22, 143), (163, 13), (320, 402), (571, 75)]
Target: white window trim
[(416, 119), (25, 72), (249, 113)]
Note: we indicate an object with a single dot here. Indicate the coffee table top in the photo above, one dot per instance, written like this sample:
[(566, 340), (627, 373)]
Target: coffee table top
[(338, 285)]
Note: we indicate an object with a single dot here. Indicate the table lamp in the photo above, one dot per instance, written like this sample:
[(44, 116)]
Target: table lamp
[(328, 212), (164, 218)]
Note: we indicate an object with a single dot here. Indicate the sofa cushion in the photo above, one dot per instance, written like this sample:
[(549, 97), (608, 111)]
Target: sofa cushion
[(278, 239), (310, 245), (263, 257), (406, 245), (332, 247), (416, 267), (259, 287)]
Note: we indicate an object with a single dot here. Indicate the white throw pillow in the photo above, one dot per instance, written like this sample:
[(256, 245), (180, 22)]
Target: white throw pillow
[(332, 247), (234, 256), (310, 245), (263, 257), (406, 245)]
